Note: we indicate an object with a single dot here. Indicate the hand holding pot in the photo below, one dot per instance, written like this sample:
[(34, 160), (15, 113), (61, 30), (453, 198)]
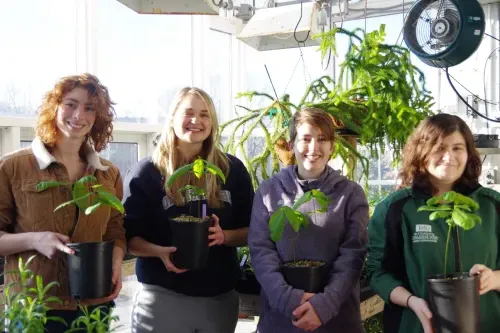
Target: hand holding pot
[(166, 257), (421, 309), (488, 280), (216, 234), (308, 319), (306, 297), (49, 243)]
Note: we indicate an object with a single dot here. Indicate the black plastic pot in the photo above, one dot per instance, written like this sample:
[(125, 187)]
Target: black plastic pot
[(191, 241), (454, 303), (90, 269), (311, 279)]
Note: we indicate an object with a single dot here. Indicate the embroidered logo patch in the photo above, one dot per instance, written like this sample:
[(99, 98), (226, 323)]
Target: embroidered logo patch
[(423, 234)]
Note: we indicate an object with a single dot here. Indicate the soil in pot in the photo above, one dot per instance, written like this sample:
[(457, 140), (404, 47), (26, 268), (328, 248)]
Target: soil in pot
[(90, 269), (190, 237), (308, 275), (454, 303)]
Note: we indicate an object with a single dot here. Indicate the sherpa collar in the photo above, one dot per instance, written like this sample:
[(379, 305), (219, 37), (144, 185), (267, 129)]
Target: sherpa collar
[(44, 158)]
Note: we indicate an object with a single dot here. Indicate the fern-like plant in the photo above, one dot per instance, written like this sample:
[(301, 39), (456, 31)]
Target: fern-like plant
[(379, 96), (96, 321)]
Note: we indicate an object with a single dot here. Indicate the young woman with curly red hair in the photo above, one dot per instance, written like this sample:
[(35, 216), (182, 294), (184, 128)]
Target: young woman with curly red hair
[(405, 247), (74, 123)]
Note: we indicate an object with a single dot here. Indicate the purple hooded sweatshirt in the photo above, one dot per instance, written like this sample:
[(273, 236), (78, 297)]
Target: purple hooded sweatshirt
[(337, 237)]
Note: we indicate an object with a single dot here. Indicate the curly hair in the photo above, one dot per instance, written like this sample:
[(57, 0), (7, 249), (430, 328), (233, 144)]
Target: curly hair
[(101, 133), (425, 140)]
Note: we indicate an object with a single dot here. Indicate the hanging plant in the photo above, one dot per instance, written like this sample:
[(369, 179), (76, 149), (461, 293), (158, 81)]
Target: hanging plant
[(379, 97)]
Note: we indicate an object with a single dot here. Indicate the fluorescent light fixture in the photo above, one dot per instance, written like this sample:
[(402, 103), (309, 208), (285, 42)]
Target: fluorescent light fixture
[(272, 28), (203, 7)]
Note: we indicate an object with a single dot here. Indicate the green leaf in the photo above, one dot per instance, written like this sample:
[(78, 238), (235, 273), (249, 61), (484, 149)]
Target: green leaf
[(199, 167), (302, 200), (93, 208), (198, 191), (87, 179), (39, 284), (42, 186), (443, 207), (462, 219), (295, 220), (49, 285), (80, 191), (57, 319), (322, 200), (439, 214), (213, 169), (53, 299), (74, 201), (178, 173), (110, 199), (277, 224)]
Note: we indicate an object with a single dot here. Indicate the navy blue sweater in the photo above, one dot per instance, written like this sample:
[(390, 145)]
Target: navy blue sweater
[(147, 218)]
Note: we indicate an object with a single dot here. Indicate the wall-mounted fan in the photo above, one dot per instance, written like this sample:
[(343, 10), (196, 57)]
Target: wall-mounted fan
[(444, 33)]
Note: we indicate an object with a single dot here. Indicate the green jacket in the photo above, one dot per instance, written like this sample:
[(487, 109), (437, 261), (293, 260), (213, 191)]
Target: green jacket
[(405, 247)]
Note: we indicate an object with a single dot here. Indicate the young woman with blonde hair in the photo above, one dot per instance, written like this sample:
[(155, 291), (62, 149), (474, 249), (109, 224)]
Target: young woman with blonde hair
[(171, 299), (73, 124)]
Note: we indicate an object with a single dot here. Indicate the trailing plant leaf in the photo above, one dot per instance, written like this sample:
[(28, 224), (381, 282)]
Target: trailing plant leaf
[(379, 95)]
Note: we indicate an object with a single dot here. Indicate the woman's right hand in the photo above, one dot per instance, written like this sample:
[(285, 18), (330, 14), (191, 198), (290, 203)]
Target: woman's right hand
[(421, 309), (166, 257), (50, 243)]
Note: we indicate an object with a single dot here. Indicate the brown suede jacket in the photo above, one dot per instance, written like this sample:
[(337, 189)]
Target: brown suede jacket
[(24, 209)]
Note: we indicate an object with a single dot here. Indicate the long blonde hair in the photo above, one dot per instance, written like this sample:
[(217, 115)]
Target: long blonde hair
[(167, 158)]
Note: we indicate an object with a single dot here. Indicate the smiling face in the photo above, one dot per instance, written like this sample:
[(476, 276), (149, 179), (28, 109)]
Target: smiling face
[(192, 121), (447, 164), (75, 115), (312, 151)]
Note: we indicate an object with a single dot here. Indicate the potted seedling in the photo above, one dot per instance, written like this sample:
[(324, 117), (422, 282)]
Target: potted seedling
[(306, 274), (454, 296), (190, 232), (90, 268), (26, 308), (95, 321)]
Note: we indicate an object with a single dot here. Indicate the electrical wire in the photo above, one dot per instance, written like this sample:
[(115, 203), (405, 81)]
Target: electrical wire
[(467, 103), (492, 36)]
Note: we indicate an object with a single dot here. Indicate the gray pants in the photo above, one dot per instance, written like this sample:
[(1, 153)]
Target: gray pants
[(157, 309)]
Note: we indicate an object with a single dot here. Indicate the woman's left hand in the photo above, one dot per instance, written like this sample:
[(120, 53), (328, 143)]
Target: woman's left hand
[(216, 235), (307, 318), (488, 279)]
